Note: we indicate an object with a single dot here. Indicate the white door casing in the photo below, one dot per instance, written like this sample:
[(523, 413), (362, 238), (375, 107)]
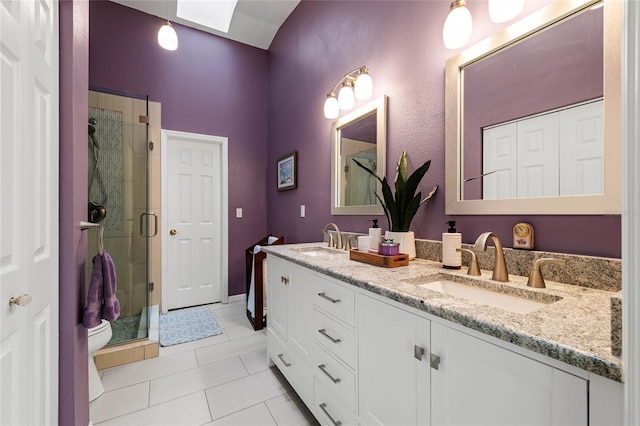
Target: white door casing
[(195, 232), (29, 211)]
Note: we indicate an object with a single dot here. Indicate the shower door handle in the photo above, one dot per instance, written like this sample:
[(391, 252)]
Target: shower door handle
[(155, 224)]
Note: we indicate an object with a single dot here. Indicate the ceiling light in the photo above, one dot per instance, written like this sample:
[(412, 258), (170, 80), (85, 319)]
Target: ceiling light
[(504, 10), (458, 26), (167, 37), (358, 81)]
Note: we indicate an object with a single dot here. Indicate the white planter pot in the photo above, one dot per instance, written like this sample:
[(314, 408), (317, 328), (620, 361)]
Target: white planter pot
[(407, 241)]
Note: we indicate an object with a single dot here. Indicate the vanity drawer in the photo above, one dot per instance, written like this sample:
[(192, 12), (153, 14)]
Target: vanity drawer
[(298, 375), (334, 337), (335, 299), (329, 410), (337, 379)]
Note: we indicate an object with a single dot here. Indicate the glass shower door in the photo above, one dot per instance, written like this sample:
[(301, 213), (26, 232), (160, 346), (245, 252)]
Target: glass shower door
[(118, 199)]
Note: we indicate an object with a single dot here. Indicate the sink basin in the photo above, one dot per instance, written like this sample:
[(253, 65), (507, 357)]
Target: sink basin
[(520, 301), (319, 251)]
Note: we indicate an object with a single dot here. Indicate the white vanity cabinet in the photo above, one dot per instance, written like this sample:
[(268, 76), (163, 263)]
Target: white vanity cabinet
[(478, 383), (290, 323), (393, 361)]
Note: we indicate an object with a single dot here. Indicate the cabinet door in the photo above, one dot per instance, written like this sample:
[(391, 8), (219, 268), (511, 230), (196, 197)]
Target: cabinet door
[(478, 383), (301, 312), (393, 383), (278, 296)]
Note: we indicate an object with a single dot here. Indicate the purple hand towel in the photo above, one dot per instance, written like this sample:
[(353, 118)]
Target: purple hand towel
[(93, 311), (111, 307)]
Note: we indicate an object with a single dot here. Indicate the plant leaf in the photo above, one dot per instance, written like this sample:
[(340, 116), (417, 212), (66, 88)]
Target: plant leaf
[(431, 194), (410, 212)]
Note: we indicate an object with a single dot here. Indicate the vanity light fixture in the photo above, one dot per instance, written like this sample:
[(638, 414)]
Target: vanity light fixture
[(356, 84), (504, 10), (167, 37), (458, 25)]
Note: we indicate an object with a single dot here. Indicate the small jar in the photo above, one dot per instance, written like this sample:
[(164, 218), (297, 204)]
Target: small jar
[(388, 247)]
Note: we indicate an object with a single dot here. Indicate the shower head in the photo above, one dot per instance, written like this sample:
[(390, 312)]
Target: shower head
[(92, 126)]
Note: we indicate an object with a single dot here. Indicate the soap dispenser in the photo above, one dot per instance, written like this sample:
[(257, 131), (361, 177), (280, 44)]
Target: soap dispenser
[(451, 247), (376, 234)]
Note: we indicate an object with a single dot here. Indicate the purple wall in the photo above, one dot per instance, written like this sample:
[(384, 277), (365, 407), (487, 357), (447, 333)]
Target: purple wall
[(210, 85), (73, 406), (401, 43), (567, 68)]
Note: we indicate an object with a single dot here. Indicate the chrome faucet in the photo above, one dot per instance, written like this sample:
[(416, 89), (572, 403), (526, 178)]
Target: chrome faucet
[(338, 242), (499, 267), (535, 277)]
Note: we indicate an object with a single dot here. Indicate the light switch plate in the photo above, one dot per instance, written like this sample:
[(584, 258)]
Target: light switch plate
[(239, 213), (303, 210)]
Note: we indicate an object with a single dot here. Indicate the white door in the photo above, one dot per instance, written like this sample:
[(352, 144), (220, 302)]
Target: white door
[(195, 229), (499, 158), (538, 164), (582, 150), (29, 212)]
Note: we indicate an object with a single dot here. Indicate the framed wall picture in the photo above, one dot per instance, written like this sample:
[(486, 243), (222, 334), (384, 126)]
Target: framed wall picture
[(288, 171)]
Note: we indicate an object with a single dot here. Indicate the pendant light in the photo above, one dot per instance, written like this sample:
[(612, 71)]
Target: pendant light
[(167, 37), (458, 25), (504, 10)]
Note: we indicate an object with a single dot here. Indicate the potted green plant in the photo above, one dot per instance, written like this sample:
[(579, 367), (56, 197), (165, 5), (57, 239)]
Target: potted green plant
[(401, 207)]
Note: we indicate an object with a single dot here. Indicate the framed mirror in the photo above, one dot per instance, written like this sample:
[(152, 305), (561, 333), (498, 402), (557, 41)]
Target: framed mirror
[(533, 119), (360, 135)]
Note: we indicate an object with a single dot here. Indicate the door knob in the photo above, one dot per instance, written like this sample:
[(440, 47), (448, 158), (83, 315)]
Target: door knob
[(173, 232), (23, 300)]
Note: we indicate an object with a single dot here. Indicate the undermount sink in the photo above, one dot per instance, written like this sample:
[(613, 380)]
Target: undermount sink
[(319, 251), (486, 293)]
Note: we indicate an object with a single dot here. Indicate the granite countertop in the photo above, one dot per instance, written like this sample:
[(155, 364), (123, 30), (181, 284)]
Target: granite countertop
[(575, 329)]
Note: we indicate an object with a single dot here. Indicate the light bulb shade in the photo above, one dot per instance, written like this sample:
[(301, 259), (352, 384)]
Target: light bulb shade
[(167, 37), (458, 26), (346, 98), (364, 86), (331, 108), (504, 10)]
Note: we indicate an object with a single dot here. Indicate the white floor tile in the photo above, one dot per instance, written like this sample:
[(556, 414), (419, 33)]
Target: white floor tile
[(238, 331), (197, 379), (190, 346), (186, 411), (119, 402), (233, 319), (231, 348), (252, 416), (230, 309), (289, 410), (255, 362), (146, 370), (246, 392)]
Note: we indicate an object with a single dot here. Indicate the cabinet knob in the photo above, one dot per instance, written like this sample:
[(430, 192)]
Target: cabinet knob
[(284, 280), (435, 361), (23, 300)]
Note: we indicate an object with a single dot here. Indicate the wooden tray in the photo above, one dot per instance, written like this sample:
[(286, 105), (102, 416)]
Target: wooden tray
[(379, 260)]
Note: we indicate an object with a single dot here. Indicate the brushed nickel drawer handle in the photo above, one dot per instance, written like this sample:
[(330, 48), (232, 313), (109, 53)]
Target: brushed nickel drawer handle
[(324, 296), (435, 361), (286, 364), (324, 370), (323, 407), (325, 334)]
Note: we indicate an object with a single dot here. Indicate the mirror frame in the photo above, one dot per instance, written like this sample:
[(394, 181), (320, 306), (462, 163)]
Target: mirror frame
[(379, 106), (608, 203)]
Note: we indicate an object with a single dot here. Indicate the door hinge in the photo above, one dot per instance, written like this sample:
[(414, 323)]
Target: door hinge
[(151, 286), (150, 145), (144, 119)]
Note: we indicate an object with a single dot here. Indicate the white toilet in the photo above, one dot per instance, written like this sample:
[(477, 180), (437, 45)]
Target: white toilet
[(99, 336)]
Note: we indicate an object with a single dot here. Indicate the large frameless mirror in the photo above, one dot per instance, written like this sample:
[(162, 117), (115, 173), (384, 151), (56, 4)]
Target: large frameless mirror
[(360, 135), (533, 116)]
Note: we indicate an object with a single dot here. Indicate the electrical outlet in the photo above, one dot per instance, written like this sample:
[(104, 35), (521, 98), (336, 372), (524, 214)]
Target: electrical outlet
[(303, 210)]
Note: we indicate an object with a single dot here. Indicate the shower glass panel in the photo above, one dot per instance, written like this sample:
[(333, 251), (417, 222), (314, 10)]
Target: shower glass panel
[(118, 199)]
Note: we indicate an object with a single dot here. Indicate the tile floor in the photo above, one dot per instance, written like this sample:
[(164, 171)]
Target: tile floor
[(221, 380)]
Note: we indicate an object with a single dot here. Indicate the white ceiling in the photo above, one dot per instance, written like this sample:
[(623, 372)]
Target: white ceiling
[(254, 22)]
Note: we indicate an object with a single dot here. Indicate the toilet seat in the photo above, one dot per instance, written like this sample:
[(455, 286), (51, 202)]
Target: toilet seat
[(104, 324)]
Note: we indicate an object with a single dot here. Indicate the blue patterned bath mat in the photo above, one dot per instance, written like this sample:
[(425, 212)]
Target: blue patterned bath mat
[(186, 325)]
